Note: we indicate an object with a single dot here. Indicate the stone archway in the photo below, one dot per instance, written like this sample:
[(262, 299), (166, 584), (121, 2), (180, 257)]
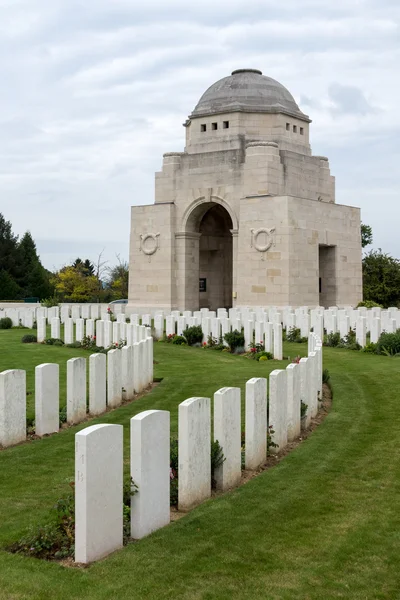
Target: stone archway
[(207, 244)]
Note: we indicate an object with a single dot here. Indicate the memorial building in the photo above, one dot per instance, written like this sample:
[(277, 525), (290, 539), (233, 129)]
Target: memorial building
[(245, 215)]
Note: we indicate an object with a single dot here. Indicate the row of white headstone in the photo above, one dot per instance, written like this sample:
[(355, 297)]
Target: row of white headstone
[(105, 333), (113, 377), (27, 315), (99, 453)]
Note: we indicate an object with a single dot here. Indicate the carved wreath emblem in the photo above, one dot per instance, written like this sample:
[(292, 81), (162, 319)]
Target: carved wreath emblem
[(262, 239), (149, 243)]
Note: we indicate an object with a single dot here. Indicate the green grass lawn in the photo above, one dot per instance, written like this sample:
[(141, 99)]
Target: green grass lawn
[(324, 523)]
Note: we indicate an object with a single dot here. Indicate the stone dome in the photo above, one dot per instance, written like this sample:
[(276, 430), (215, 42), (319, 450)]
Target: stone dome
[(247, 90)]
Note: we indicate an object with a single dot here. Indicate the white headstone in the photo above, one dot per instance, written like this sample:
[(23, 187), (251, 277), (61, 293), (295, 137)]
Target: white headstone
[(293, 401), (55, 328), (278, 408), (76, 390), (256, 423), (228, 432), (278, 341), (41, 329), (150, 471), (80, 329), (97, 383), (108, 331), (68, 331), (12, 407), (98, 492), (47, 398), (114, 378), (100, 334), (127, 374), (194, 482)]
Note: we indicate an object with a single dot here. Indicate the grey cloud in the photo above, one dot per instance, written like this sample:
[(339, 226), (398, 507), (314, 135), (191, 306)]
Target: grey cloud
[(349, 100)]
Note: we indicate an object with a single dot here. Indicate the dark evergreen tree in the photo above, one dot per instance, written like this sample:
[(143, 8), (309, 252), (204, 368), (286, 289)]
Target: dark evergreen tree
[(9, 290)]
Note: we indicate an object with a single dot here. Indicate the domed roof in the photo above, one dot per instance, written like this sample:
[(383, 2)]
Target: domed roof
[(247, 90)]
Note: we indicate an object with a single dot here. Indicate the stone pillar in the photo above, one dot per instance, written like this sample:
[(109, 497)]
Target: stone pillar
[(228, 432), (47, 398), (235, 238), (194, 435), (12, 407), (278, 408), (76, 390), (256, 423), (97, 384), (98, 492), (150, 471)]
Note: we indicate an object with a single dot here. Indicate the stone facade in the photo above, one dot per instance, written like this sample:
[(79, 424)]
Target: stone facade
[(246, 215)]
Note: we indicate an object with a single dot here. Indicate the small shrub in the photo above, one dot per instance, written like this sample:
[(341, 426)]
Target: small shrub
[(294, 335), (264, 356), (270, 441), (63, 415), (332, 339), (54, 342), (325, 376), (217, 458), (350, 341), (88, 342), (370, 348), (235, 340), (389, 344), (193, 335), (49, 302), (369, 304), (303, 409), (179, 340), (5, 323), (29, 339), (74, 345)]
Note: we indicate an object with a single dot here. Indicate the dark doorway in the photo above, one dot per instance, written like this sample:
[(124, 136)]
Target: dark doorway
[(215, 260), (327, 276)]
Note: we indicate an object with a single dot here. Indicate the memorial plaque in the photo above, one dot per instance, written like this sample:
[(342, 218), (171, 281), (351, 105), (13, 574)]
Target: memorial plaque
[(202, 284)]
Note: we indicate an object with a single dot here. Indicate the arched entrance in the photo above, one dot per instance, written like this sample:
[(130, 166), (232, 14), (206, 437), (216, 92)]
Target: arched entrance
[(209, 281)]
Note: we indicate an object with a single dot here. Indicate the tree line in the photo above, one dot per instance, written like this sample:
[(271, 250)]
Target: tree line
[(23, 276)]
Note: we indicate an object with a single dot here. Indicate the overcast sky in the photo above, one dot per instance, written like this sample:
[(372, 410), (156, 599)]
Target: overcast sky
[(94, 92)]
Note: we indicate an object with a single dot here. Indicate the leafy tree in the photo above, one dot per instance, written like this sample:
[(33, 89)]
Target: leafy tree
[(118, 279), (72, 285), (9, 290), (9, 256), (86, 266), (381, 278), (366, 235)]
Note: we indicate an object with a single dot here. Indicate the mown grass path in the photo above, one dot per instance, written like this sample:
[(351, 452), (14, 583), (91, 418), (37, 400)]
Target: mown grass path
[(324, 523)]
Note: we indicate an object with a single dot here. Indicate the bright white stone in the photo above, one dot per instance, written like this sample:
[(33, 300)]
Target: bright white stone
[(269, 336), (278, 408), (98, 492), (68, 331), (116, 334), (108, 331), (90, 328), (55, 328), (228, 432), (150, 471), (305, 388), (136, 367), (97, 383), (293, 401), (12, 407), (100, 334), (361, 331), (159, 326), (41, 329), (47, 398), (181, 326), (76, 312), (256, 423), (114, 378), (127, 375), (278, 355), (194, 482), (375, 330), (76, 390), (80, 329)]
